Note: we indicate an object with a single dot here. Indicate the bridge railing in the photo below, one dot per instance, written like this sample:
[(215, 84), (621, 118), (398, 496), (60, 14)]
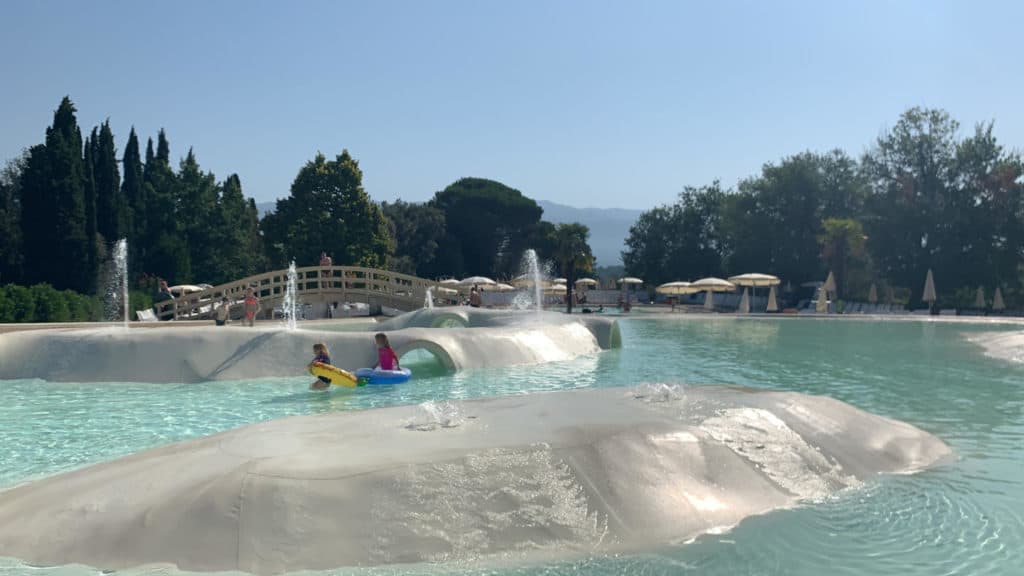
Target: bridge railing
[(313, 284)]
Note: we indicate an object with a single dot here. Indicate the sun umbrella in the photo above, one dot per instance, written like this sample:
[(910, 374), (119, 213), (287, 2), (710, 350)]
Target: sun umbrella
[(556, 289), (979, 297), (449, 282), (559, 281), (873, 294), (821, 306), (476, 280), (997, 300), (498, 287), (929, 288), (773, 306), (630, 280), (712, 285), (444, 290), (744, 303), (526, 281), (678, 287), (830, 283), (755, 279), (587, 281)]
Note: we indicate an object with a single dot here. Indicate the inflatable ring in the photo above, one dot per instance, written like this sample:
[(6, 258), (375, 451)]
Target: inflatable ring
[(335, 375), (371, 376)]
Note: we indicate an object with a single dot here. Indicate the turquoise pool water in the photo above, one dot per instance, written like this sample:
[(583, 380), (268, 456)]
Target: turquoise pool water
[(964, 518)]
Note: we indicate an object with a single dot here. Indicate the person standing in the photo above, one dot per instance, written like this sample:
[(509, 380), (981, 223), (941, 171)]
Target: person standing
[(325, 263), (251, 306), (474, 297), (223, 312)]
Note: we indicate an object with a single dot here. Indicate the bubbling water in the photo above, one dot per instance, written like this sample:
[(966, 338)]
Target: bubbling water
[(428, 299)]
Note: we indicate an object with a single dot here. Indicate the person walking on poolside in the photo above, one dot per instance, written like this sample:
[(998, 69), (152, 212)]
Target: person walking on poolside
[(386, 357), (252, 307), (323, 356)]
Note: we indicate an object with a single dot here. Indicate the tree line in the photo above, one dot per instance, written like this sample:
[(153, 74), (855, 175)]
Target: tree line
[(65, 201), (920, 198)]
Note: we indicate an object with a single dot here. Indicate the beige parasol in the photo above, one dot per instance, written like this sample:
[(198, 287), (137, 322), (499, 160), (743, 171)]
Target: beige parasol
[(830, 283), (712, 285), (928, 294), (997, 300), (744, 303), (755, 279), (979, 297), (773, 305), (676, 288)]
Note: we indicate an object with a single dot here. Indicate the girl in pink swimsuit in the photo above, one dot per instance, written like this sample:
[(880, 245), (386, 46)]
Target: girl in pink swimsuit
[(386, 357)]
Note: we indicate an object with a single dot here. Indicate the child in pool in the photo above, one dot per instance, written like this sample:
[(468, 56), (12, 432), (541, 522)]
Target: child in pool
[(386, 357), (324, 356)]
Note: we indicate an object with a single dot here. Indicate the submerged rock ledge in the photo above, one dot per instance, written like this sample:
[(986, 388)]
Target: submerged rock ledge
[(569, 472)]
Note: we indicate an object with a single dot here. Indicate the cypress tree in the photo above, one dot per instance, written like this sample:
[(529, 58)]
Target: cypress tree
[(166, 251), (132, 191), (57, 247), (89, 190), (38, 227), (197, 208), (10, 220), (236, 232), (111, 209)]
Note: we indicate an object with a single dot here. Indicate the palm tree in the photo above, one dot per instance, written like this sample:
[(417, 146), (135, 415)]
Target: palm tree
[(573, 254)]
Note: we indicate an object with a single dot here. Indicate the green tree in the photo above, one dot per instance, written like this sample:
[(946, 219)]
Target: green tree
[(772, 224), (328, 210), (488, 226), (842, 241), (418, 230), (652, 242), (910, 171), (165, 242), (235, 234), (683, 240), (53, 219), (985, 216), (133, 191), (10, 220), (573, 255), (111, 207), (199, 219), (89, 189)]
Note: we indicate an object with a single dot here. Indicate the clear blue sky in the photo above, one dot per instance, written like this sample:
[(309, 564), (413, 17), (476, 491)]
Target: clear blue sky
[(585, 103)]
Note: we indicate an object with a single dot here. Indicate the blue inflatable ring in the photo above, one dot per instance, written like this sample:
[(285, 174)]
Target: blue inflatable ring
[(371, 376)]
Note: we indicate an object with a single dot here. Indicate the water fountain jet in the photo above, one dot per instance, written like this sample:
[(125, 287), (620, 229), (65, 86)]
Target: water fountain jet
[(115, 302), (289, 305)]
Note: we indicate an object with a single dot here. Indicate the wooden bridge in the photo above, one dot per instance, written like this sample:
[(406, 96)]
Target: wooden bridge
[(316, 286)]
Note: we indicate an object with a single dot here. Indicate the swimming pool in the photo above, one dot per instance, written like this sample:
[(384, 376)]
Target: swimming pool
[(963, 518)]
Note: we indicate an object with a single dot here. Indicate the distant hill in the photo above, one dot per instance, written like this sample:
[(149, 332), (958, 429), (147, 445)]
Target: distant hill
[(263, 207), (609, 227)]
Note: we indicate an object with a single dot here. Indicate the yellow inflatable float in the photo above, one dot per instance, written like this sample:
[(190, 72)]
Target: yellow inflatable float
[(335, 375)]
